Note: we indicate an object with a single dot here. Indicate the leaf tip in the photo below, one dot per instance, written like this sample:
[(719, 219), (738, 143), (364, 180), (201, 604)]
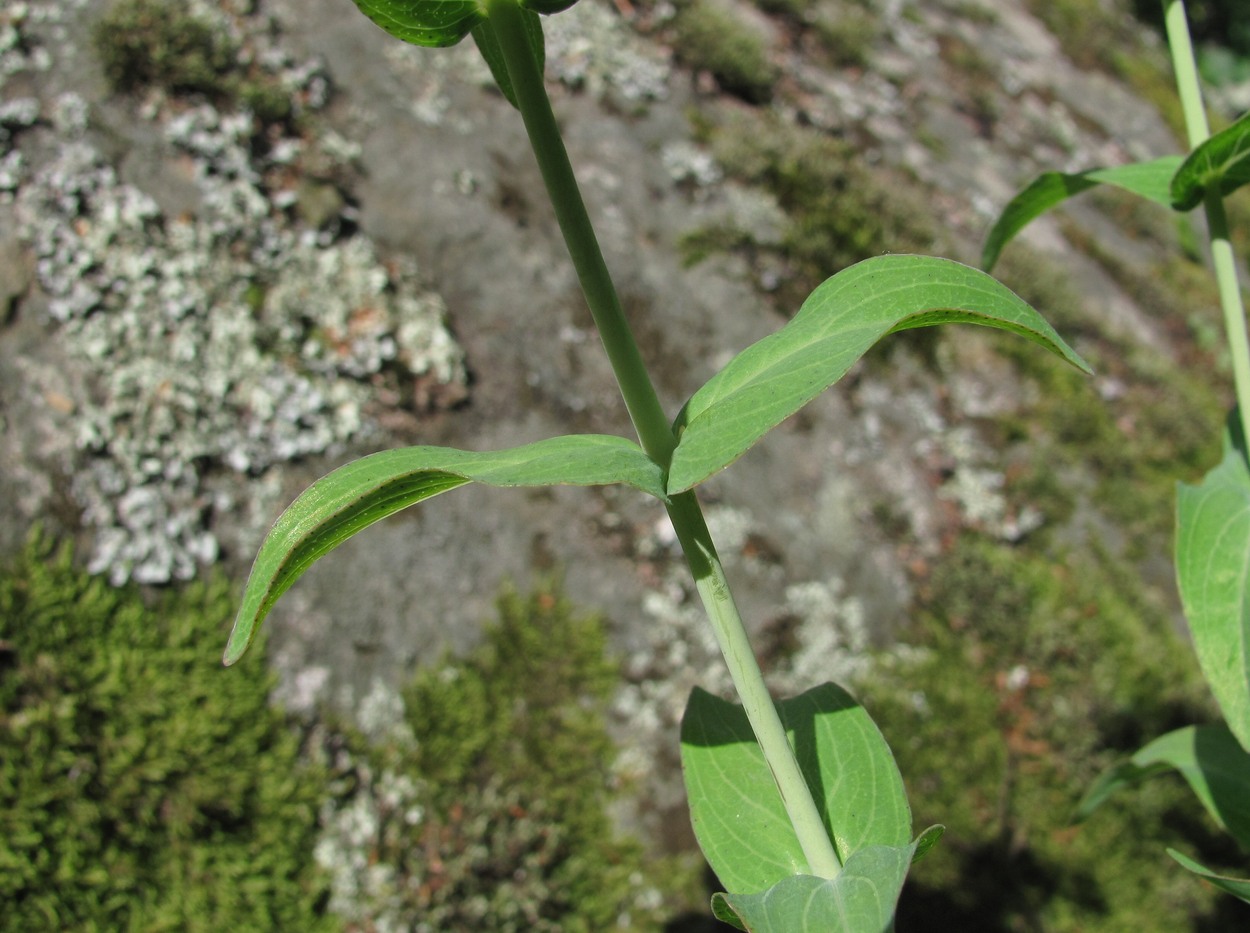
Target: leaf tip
[(240, 640)]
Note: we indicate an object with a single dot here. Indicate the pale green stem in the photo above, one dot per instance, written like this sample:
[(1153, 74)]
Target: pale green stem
[(1190, 90), (507, 20)]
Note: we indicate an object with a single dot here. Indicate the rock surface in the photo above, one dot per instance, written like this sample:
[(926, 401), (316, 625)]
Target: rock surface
[(195, 326)]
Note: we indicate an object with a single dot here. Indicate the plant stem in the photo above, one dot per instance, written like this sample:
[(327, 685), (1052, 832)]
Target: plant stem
[(650, 422), (1190, 90), (709, 575), (507, 20)]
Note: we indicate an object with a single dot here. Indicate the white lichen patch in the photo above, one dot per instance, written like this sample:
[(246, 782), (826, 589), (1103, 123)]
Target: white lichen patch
[(589, 46), (218, 344)]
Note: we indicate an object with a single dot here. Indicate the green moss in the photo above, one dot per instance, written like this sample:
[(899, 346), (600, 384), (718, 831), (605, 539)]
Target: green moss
[(143, 786), (1163, 424), (144, 43), (847, 32), (156, 43), (512, 760), (709, 37), (840, 210), (1035, 672)]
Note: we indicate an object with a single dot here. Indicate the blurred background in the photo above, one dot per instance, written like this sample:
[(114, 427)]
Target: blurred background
[(243, 241)]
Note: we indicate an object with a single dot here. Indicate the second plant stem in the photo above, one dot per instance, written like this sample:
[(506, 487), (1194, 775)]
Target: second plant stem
[(507, 21), (1222, 257)]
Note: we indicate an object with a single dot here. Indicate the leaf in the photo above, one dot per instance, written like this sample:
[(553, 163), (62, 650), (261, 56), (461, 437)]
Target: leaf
[(1222, 162), (861, 899), (1213, 570), (429, 23), (839, 322), (1234, 886), (1208, 757), (364, 491), (737, 811), (1151, 180), (442, 23), (488, 45)]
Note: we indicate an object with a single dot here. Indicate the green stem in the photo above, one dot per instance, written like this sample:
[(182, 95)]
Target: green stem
[(1225, 264), (1186, 67), (507, 21), (709, 575), (1190, 90)]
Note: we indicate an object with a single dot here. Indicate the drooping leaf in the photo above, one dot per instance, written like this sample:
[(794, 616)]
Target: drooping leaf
[(1237, 887), (839, 322), (1216, 767), (488, 45), (1222, 162), (364, 491), (736, 809), (442, 23), (429, 23), (1151, 180), (1213, 570), (861, 899)]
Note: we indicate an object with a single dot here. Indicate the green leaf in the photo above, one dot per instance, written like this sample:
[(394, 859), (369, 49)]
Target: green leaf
[(1213, 570), (1208, 757), (364, 491), (736, 809), (861, 899), (430, 23), (839, 322), (488, 45), (547, 7), (1237, 887), (1222, 162), (1151, 180)]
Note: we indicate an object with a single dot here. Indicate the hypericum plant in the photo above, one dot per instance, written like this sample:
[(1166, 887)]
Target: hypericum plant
[(798, 805), (1213, 517)]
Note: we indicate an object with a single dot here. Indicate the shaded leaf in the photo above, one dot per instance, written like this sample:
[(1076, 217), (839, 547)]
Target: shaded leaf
[(488, 45), (430, 23), (775, 377), (1208, 757), (862, 899), (364, 491), (1235, 886), (1222, 162), (1213, 570), (737, 811), (1151, 180)]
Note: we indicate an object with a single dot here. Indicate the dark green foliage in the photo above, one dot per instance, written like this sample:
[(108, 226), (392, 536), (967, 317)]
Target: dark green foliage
[(142, 786), (511, 769), (710, 38), (1037, 671), (840, 210)]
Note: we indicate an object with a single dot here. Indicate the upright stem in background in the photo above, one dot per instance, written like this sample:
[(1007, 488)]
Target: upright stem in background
[(1190, 90), (507, 20)]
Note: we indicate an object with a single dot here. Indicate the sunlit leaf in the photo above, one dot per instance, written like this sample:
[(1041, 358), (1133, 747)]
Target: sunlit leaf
[(1151, 180), (1237, 887), (364, 491), (1211, 761), (1222, 162), (736, 809), (1213, 570), (772, 379), (861, 899)]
